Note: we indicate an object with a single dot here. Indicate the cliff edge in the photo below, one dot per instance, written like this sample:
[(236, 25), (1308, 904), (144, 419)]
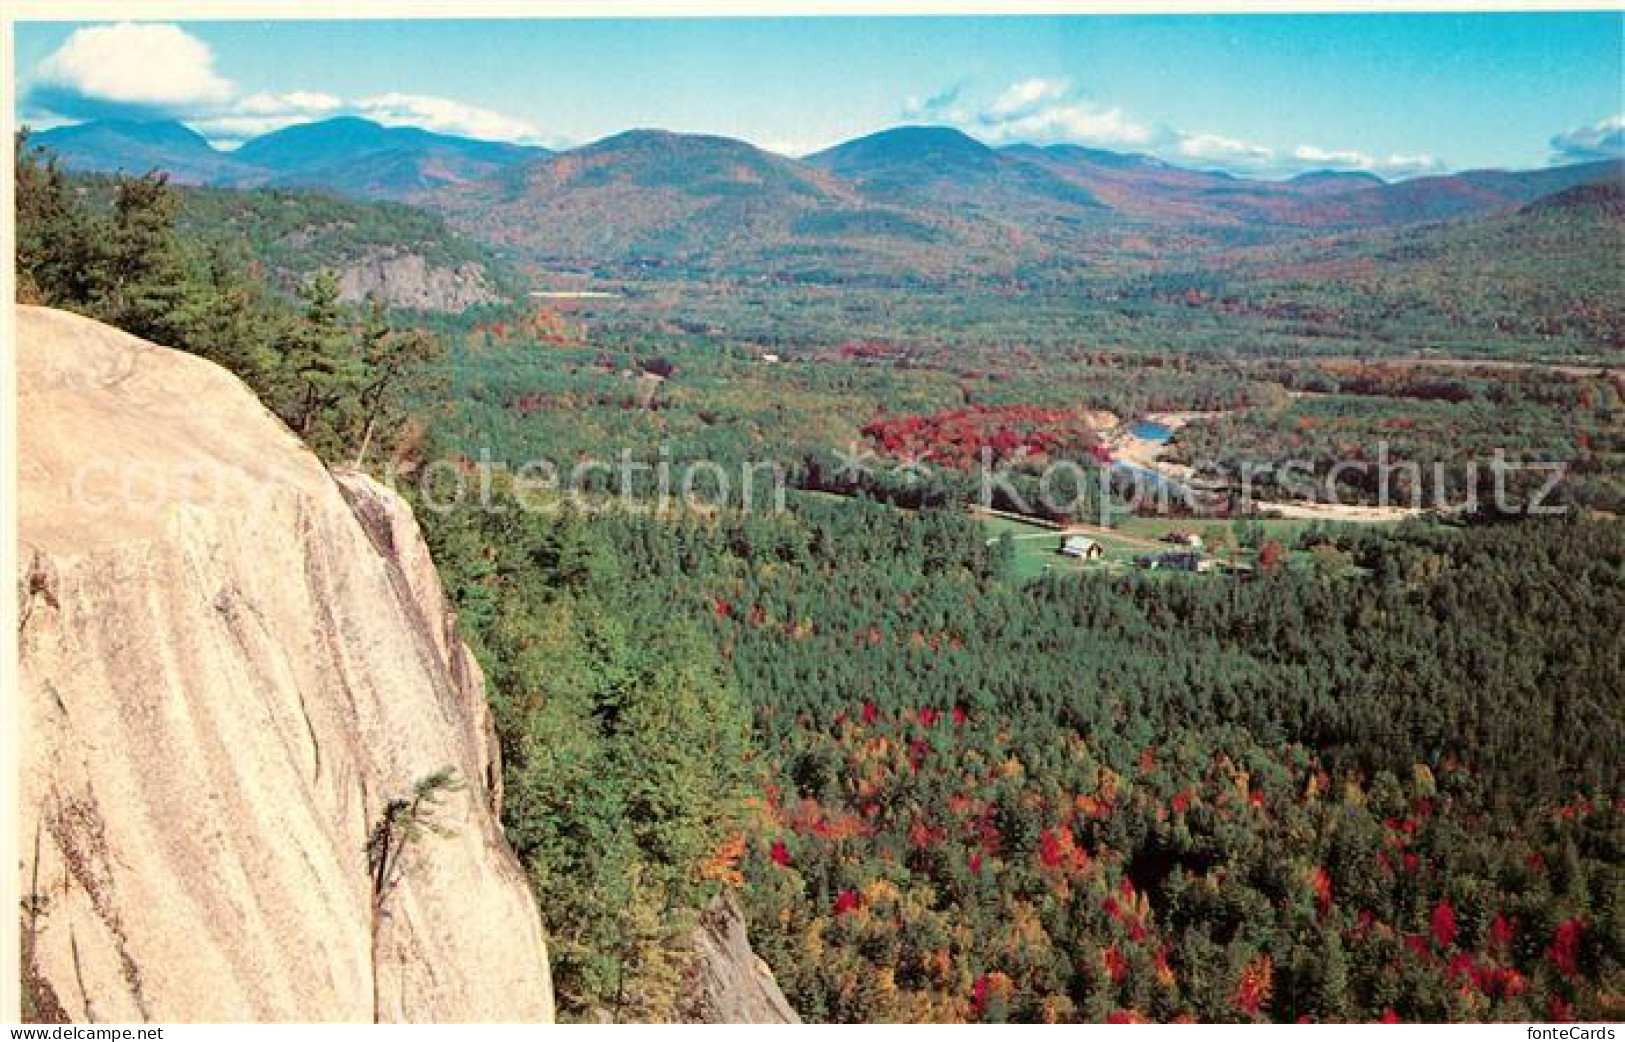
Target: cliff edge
[(736, 986), (232, 662)]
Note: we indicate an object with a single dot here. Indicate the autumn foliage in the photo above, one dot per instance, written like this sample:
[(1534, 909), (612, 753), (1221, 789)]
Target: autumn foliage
[(957, 438)]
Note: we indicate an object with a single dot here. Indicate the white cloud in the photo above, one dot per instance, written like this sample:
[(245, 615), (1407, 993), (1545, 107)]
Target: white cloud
[(1602, 140), (1037, 110), (160, 71), (1049, 112), (1078, 122), (1027, 97), (1225, 152), (157, 68), (1313, 157), (300, 101), (1245, 157), (444, 115), (942, 107), (258, 114), (1406, 166), (1045, 111)]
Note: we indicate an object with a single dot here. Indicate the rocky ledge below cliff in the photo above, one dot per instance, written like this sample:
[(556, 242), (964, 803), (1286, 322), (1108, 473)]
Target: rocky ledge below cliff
[(736, 986)]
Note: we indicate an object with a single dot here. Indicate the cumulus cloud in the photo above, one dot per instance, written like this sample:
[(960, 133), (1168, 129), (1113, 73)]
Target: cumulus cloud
[(1037, 110), (1313, 157), (1604, 140), (129, 69), (157, 71), (444, 115), (1224, 152), (1028, 97), (1410, 166), (1078, 122), (258, 114), (299, 101), (1047, 111)]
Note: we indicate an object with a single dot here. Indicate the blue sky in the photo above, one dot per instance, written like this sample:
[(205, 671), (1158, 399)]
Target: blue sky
[(1396, 94)]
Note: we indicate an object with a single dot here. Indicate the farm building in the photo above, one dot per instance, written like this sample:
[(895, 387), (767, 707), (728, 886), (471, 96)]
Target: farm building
[(1082, 547)]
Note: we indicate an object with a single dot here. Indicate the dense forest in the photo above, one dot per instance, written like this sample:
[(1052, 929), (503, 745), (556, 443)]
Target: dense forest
[(1447, 445), (1305, 796), (1372, 776)]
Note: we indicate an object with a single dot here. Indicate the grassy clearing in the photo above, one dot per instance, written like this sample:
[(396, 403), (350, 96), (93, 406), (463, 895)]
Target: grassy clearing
[(1284, 529), (1037, 549)]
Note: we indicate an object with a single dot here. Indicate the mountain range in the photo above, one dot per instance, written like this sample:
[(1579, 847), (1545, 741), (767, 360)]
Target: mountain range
[(346, 154), (914, 201)]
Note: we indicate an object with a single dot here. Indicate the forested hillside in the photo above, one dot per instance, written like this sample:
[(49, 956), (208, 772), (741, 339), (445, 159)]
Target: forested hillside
[(1359, 798), (296, 234), (404, 255), (1551, 269)]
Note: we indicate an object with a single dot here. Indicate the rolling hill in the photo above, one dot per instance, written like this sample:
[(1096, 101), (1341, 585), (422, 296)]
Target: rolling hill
[(931, 201), (360, 157), (403, 254), (1551, 269), (657, 200), (348, 155), (110, 146), (1148, 189), (939, 166)]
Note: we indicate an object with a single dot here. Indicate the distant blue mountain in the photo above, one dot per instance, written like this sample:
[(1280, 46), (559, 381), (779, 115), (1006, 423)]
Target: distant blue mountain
[(947, 167), (349, 155), (114, 145), (912, 150), (658, 190), (361, 157)]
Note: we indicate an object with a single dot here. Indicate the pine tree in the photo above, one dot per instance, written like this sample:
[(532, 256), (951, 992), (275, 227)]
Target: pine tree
[(325, 371), (54, 245), (1334, 1000), (226, 317), (390, 357), (139, 273)]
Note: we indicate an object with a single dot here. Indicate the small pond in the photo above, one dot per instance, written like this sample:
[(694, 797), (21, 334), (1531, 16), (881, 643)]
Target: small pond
[(1150, 430)]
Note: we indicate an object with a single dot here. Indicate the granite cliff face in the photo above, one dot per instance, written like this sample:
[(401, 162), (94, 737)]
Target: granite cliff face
[(407, 280), (231, 663)]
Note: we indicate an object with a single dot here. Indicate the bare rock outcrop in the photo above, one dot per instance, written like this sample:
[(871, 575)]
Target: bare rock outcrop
[(736, 986), (230, 664), (408, 280)]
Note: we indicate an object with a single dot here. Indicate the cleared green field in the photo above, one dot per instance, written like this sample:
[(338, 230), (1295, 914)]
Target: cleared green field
[(1213, 531), (1037, 548)]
